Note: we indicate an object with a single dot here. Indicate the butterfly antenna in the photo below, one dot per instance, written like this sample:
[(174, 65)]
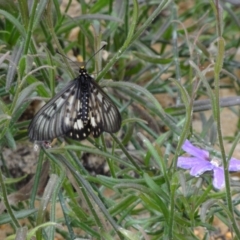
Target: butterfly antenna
[(96, 53), (67, 58), (88, 59)]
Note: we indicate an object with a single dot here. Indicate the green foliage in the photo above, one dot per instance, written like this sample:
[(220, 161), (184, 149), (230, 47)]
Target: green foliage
[(152, 53)]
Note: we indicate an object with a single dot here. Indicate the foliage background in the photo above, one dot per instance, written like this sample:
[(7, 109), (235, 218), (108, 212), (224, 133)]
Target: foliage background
[(173, 65)]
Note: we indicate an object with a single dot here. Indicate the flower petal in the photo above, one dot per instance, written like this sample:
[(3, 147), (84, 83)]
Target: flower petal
[(196, 165), (218, 178), (202, 167), (194, 151), (234, 165), (187, 162)]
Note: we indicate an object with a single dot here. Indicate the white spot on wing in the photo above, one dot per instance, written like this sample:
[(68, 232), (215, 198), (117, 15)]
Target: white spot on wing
[(78, 104), (80, 123), (100, 97), (98, 117), (71, 100), (93, 123), (74, 114), (67, 122)]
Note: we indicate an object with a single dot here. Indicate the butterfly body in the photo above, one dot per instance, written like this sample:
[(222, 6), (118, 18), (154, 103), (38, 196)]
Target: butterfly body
[(81, 108), (84, 97)]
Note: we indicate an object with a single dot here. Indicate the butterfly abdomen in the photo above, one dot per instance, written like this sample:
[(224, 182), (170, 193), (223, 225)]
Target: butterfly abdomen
[(84, 99)]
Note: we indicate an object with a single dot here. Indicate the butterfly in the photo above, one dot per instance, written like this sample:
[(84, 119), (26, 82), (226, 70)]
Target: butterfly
[(80, 108)]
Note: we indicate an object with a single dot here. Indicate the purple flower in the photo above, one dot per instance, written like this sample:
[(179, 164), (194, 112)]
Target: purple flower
[(200, 162)]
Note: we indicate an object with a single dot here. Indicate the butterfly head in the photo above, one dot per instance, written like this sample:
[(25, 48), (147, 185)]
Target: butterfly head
[(82, 70)]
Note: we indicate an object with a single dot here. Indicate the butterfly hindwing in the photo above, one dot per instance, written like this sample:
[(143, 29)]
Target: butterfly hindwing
[(105, 113), (76, 111), (50, 121)]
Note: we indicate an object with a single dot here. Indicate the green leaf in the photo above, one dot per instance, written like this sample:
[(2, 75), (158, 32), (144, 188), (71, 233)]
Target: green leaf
[(15, 57), (14, 21), (22, 66), (129, 234), (153, 59), (40, 89), (10, 140), (24, 94), (3, 118), (14, 180), (5, 217), (39, 12)]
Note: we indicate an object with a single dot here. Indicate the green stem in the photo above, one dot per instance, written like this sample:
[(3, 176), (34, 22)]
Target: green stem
[(30, 27), (23, 7), (175, 48), (87, 188), (216, 111), (6, 203), (54, 202), (217, 69), (49, 24), (36, 180), (126, 152), (132, 37), (188, 105)]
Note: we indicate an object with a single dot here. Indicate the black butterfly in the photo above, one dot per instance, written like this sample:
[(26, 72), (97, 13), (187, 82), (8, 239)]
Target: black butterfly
[(79, 109)]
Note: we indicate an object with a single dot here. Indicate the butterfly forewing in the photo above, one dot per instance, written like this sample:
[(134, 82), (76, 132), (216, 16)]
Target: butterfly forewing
[(81, 108), (49, 121), (106, 113)]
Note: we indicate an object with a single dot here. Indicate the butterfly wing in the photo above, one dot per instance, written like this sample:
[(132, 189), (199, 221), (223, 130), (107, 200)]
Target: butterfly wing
[(79, 109), (103, 114), (54, 118)]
